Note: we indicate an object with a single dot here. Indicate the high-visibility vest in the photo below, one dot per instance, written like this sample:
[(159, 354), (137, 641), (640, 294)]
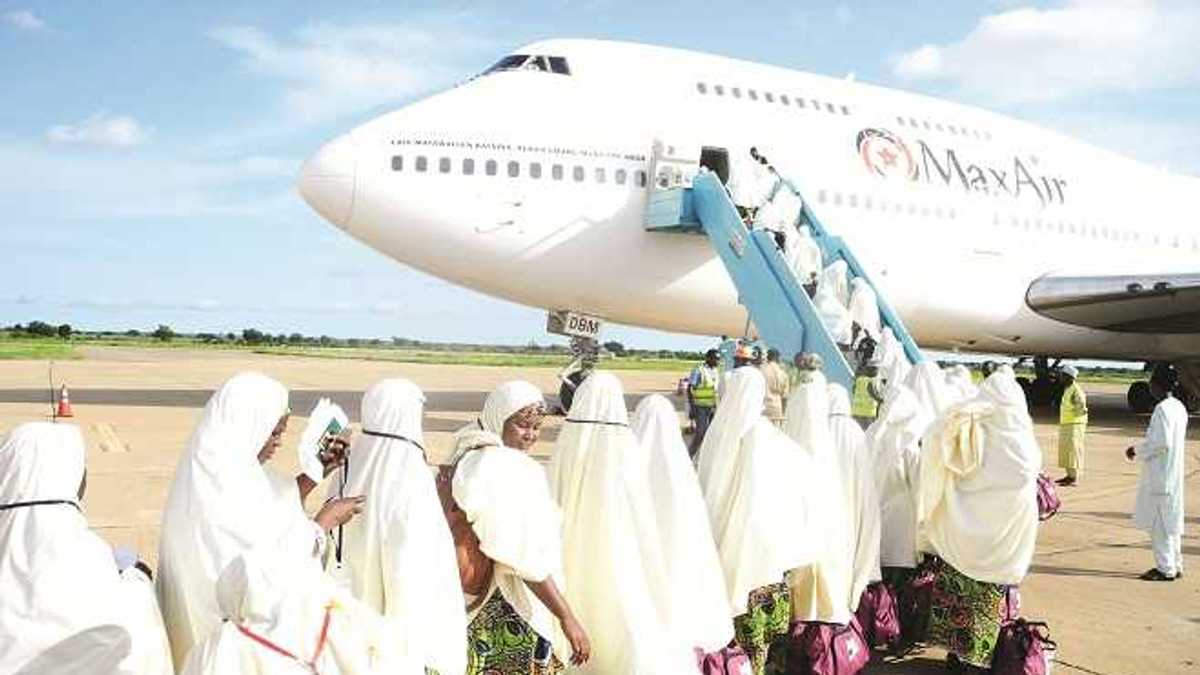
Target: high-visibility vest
[(704, 394), (863, 403), (1068, 411)]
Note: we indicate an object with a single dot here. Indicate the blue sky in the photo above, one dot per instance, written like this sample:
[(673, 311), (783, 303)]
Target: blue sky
[(148, 150)]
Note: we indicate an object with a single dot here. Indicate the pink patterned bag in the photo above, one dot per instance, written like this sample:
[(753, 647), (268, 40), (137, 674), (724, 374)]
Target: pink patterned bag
[(1024, 648), (878, 615), (827, 649), (728, 661), (1047, 498)]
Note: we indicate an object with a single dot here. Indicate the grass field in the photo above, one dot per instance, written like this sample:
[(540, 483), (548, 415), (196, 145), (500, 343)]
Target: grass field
[(56, 350), (506, 360)]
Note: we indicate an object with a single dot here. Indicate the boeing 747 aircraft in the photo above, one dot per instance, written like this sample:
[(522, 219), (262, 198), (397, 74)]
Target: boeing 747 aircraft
[(986, 233)]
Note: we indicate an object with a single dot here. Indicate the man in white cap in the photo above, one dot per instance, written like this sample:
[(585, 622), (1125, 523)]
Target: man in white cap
[(1072, 426)]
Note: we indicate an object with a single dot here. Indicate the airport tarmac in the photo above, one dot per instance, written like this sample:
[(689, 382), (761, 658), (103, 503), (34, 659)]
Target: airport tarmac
[(137, 408)]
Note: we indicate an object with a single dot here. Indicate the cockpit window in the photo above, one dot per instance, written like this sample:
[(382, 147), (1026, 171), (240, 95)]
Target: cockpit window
[(545, 64)]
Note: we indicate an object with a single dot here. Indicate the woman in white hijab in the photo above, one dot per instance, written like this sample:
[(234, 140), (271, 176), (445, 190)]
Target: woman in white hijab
[(977, 508), (281, 619), (958, 378), (804, 254), (864, 308), (835, 277), (821, 591), (519, 621), (854, 460), (895, 439), (223, 502), (893, 362), (834, 315), (64, 610), (756, 483), (399, 558), (928, 383), (614, 565), (700, 609)]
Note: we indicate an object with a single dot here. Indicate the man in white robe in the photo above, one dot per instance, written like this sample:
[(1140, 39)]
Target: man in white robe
[(821, 590), (613, 560), (700, 610), (64, 609), (854, 461), (399, 558), (223, 502), (281, 620), (1160, 495)]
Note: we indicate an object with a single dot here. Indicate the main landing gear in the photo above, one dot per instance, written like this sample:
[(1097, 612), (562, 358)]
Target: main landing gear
[(1140, 399), (1045, 389)]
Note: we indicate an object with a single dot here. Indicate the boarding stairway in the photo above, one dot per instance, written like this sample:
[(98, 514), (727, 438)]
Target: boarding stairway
[(785, 316)]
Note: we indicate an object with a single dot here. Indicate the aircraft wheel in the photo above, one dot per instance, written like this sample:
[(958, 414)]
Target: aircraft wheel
[(1139, 398)]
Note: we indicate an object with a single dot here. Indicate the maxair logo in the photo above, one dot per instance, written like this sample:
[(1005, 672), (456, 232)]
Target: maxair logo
[(886, 155)]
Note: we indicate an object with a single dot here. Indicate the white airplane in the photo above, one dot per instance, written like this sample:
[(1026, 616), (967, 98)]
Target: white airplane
[(986, 233)]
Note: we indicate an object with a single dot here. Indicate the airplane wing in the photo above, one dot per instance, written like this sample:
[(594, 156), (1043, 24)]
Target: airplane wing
[(1147, 303)]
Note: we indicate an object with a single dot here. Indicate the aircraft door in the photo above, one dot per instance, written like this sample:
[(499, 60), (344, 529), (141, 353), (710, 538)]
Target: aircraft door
[(716, 160)]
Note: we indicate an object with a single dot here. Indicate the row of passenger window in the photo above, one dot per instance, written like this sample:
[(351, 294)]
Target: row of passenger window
[(952, 129), (513, 169), (870, 203), (771, 97)]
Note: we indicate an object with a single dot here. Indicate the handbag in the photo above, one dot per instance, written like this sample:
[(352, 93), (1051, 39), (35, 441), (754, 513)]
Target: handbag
[(731, 660), (827, 649), (1024, 648), (878, 615), (1047, 497)]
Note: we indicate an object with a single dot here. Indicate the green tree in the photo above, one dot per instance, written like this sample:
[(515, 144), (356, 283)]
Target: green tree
[(41, 329), (253, 336), (164, 333), (64, 330), (615, 347)]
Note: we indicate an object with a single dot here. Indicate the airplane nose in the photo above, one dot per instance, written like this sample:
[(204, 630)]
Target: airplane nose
[(327, 180)]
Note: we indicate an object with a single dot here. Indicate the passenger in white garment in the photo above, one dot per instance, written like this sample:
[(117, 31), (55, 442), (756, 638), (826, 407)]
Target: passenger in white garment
[(928, 383), (281, 619), (64, 609), (804, 256), (613, 560), (855, 462), (519, 621), (700, 610), (835, 278), (821, 590), (223, 502), (895, 439), (864, 310), (1160, 495), (399, 558), (893, 362), (834, 315)]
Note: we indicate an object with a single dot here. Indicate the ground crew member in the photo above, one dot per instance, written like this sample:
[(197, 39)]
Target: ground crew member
[(1072, 425), (702, 397), (864, 404), (778, 385)]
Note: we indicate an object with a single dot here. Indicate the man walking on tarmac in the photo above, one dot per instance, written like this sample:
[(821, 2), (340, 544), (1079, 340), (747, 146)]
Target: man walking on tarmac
[(1159, 506), (1072, 426), (702, 397)]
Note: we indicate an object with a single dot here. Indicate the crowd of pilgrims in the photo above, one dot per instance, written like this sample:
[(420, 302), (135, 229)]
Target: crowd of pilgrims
[(776, 547)]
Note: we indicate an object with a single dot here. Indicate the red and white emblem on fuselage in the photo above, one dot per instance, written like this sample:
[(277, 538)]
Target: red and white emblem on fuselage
[(885, 155)]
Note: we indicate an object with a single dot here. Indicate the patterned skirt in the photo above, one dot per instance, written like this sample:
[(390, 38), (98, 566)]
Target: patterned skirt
[(500, 642), (965, 616), (767, 619)]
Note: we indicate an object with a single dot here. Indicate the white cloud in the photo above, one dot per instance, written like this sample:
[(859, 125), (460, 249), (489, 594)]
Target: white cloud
[(23, 19), (1082, 47), (100, 129), (329, 70)]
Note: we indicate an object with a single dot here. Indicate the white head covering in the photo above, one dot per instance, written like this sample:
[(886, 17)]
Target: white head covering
[(855, 462), (1070, 370), (62, 610), (894, 438), (835, 277), (508, 399), (697, 583), (221, 504), (958, 379), (804, 254), (833, 313), (288, 607), (821, 592), (399, 551), (756, 483), (613, 559), (928, 383), (977, 503), (893, 362), (864, 307)]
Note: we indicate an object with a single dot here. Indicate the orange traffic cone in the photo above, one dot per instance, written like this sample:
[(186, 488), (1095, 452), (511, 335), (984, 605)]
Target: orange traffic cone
[(64, 403)]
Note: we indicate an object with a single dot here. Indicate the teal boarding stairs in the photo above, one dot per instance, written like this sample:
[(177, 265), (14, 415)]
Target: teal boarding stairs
[(781, 310)]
